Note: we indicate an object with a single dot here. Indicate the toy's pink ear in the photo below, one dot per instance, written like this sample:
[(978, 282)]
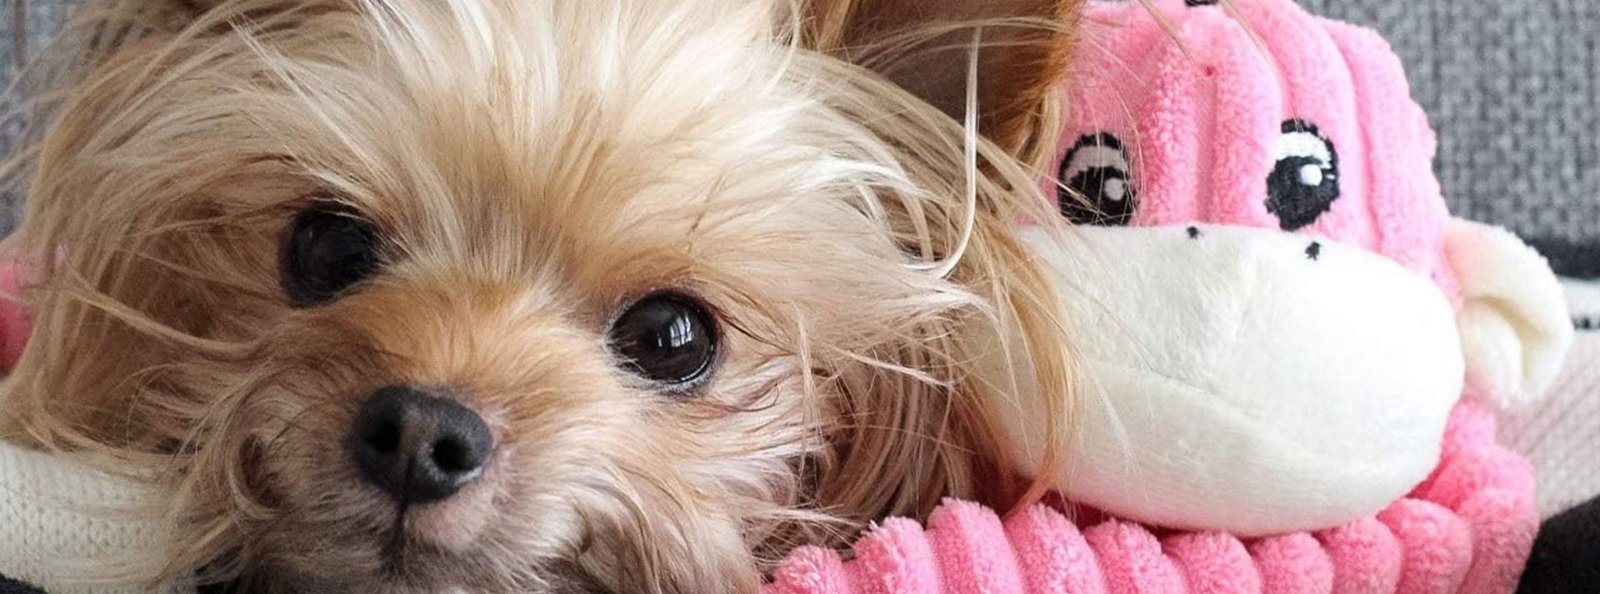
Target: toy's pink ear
[(1515, 328), (16, 322)]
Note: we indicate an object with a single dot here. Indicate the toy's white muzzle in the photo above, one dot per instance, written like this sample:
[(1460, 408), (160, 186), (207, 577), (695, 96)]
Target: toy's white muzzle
[(1246, 379)]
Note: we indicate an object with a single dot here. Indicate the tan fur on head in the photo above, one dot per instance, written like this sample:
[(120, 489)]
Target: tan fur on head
[(532, 167), (916, 43)]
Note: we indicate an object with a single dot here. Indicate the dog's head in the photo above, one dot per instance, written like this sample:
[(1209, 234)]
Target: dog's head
[(513, 295)]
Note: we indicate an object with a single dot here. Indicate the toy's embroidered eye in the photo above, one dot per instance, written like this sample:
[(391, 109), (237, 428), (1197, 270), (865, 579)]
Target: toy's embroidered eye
[(1096, 188), (667, 338), (328, 248), (1305, 180)]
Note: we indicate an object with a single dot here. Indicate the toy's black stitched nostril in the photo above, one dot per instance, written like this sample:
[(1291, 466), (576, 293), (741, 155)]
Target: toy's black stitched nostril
[(1194, 233), (1193, 3), (1314, 251)]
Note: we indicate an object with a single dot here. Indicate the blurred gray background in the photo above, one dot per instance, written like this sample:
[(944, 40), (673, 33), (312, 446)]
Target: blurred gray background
[(1512, 85)]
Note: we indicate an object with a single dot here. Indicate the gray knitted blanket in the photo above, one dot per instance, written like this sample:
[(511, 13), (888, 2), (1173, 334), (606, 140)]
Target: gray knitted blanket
[(1512, 85)]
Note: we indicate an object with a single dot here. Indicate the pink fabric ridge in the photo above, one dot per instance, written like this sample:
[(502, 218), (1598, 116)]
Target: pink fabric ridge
[(1466, 530)]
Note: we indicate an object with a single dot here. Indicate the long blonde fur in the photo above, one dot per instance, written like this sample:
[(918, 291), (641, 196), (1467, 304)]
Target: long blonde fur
[(539, 163)]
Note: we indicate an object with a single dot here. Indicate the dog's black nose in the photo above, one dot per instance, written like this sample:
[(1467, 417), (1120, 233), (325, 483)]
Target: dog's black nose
[(417, 446)]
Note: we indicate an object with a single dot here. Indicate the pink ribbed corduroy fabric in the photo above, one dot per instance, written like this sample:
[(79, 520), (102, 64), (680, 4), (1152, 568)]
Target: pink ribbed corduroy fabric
[(1466, 530)]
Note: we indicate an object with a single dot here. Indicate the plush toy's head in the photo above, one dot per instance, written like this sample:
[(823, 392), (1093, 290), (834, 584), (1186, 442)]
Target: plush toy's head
[(1268, 285)]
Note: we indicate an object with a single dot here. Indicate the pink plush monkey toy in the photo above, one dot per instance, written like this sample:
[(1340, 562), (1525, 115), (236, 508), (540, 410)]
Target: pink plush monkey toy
[(1292, 353)]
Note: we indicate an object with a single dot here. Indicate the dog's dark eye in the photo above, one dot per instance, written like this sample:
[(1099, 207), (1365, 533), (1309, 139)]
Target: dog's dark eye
[(1305, 178), (327, 249), (1096, 188), (667, 338)]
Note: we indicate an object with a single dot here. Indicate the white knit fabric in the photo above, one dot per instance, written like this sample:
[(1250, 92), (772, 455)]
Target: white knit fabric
[(58, 523), (1562, 433)]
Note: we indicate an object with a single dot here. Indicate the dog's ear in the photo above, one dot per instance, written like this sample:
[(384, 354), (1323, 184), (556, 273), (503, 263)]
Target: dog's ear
[(925, 47), (943, 438)]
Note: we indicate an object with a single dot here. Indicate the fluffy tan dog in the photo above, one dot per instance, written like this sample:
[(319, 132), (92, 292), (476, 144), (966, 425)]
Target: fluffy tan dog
[(536, 295)]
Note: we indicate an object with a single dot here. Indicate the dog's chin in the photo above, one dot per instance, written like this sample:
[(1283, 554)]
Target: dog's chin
[(409, 565), (454, 545), (404, 558)]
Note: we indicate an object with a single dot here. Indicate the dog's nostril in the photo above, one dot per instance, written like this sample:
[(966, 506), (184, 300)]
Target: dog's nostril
[(450, 455), (417, 446), (383, 437)]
